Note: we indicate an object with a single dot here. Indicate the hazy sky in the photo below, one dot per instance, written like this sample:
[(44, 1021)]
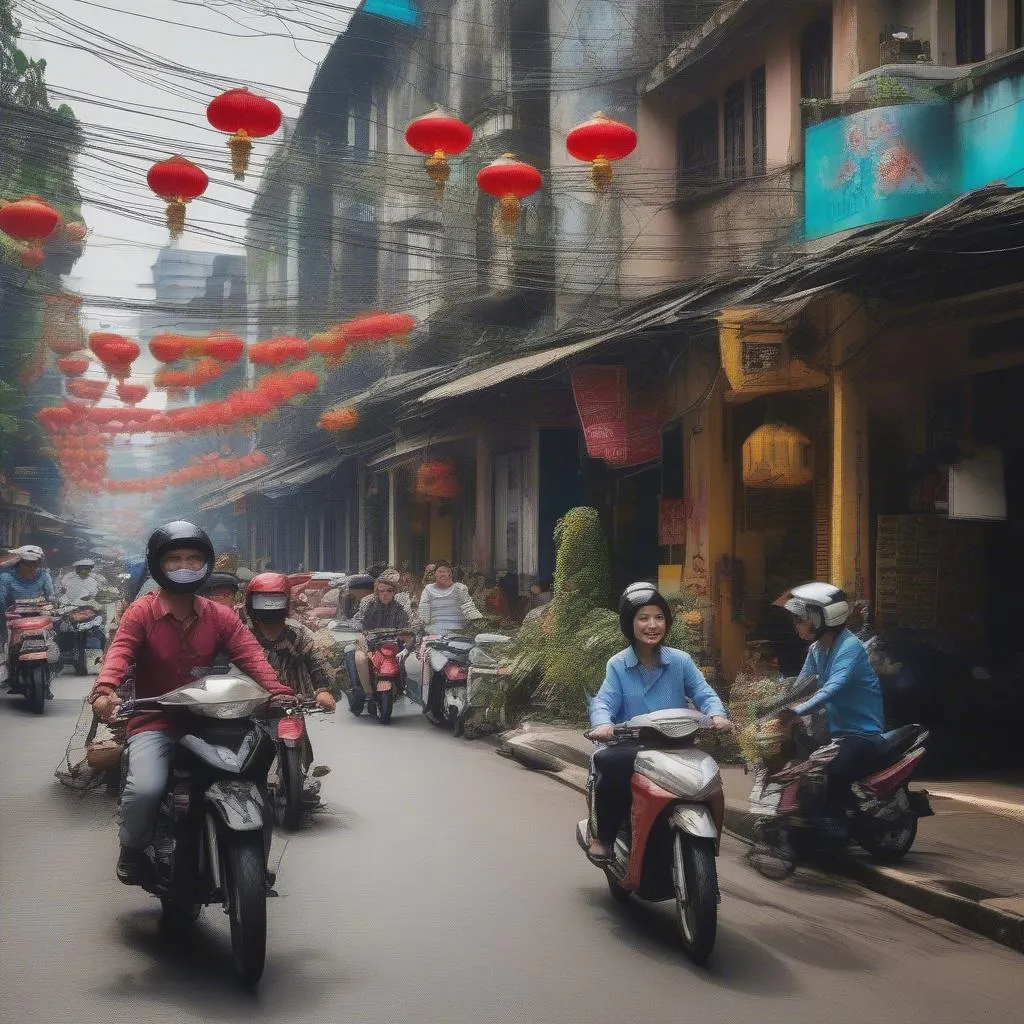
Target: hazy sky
[(99, 78)]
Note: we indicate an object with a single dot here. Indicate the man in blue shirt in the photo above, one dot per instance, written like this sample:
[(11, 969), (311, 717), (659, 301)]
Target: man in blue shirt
[(848, 690), (26, 582), (645, 677)]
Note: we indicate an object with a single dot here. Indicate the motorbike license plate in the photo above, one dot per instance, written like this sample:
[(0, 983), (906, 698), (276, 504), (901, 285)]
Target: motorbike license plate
[(384, 685)]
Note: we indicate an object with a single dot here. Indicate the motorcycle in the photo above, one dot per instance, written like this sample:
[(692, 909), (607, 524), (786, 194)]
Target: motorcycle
[(79, 632), (213, 831), (384, 647), (885, 811), (31, 651), (445, 671), (486, 672), (289, 792), (666, 849)]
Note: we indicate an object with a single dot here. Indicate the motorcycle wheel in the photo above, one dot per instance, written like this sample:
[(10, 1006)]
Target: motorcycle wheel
[(36, 684), (890, 843), (385, 705), (770, 854), (81, 662), (288, 791), (619, 894), (356, 699), (459, 722), (177, 917), (434, 709), (693, 872), (246, 889)]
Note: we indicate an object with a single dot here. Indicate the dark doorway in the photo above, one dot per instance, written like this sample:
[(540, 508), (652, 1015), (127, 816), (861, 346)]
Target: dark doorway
[(562, 487)]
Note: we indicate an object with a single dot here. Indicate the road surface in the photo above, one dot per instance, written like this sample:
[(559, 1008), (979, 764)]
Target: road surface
[(443, 884)]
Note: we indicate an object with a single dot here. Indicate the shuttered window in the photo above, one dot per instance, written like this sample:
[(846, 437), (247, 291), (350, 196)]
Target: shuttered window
[(735, 128), (759, 119)]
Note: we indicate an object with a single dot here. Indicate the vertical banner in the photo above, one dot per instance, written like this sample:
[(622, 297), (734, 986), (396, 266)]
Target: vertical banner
[(673, 515), (602, 404)]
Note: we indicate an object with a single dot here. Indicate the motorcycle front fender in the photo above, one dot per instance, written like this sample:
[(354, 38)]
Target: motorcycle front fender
[(238, 803), (695, 820)]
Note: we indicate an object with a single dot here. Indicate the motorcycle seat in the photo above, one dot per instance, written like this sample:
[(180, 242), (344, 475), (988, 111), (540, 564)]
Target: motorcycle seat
[(19, 625), (896, 743)]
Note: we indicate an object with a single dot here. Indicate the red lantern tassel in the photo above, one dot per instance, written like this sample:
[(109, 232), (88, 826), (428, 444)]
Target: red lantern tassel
[(241, 148)]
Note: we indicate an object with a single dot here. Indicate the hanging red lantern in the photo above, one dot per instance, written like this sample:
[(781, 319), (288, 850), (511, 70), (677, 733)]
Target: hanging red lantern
[(245, 116), (225, 348), (336, 420), (438, 136), (167, 348), (510, 181), (131, 394), (293, 350), (177, 181), (598, 142), (76, 231), (115, 352), (437, 480), (31, 220), (73, 366), (87, 390)]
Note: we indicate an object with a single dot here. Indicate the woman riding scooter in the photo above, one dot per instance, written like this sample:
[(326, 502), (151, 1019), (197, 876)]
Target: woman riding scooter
[(382, 611), (647, 676)]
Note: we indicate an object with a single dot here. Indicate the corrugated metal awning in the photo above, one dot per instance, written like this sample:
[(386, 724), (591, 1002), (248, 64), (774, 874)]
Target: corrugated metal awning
[(411, 447)]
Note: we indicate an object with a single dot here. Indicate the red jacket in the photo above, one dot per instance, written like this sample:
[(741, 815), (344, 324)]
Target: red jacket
[(168, 653)]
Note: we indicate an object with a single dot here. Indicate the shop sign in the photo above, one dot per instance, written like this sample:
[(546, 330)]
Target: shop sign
[(673, 516), (643, 438)]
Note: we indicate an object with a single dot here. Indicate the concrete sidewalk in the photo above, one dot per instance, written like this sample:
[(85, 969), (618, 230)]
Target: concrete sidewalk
[(966, 866)]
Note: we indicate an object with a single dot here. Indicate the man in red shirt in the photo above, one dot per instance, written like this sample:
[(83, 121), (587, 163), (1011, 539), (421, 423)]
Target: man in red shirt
[(172, 637)]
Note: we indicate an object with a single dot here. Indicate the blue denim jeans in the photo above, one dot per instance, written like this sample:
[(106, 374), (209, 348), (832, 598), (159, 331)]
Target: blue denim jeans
[(149, 765)]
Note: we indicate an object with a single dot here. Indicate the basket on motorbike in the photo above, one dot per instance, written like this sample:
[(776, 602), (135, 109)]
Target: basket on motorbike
[(104, 755)]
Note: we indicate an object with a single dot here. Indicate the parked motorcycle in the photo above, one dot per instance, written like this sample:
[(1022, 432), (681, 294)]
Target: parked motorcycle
[(445, 669), (883, 818), (666, 850), (464, 701), (289, 791), (31, 651), (80, 634), (215, 823)]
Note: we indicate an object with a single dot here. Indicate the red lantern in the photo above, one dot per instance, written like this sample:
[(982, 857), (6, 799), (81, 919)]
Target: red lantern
[(225, 348), (115, 352), (29, 220), (510, 181), (73, 367), (438, 136), (87, 390), (599, 141), (177, 181), (245, 116), (167, 348), (132, 394), (336, 420), (76, 231)]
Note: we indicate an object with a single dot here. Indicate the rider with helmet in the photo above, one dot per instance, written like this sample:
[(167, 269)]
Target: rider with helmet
[(80, 584), (172, 637), (29, 579), (848, 689), (382, 610), (646, 676), (223, 588)]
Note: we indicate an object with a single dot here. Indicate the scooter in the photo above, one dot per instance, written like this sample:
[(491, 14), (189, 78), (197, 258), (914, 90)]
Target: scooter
[(290, 793), (465, 703), (214, 826), (667, 848), (80, 635), (31, 652), (885, 811), (445, 667)]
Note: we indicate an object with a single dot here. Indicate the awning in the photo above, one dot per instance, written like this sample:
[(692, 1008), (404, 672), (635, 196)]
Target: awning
[(411, 447)]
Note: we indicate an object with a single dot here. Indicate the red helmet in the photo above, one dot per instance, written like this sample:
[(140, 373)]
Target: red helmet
[(268, 592)]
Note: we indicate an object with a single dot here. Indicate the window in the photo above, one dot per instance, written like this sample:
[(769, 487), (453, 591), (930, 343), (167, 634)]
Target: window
[(816, 61), (970, 31), (734, 124), (515, 522), (759, 116), (422, 248), (697, 142)]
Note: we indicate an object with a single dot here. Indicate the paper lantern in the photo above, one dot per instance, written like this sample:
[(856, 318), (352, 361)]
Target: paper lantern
[(437, 480), (73, 366), (336, 420), (167, 348), (76, 231), (245, 116), (510, 181), (777, 456), (87, 390), (225, 348), (29, 220), (131, 394), (177, 181), (600, 141), (438, 136)]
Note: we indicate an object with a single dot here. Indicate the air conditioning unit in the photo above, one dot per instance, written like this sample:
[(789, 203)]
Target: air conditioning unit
[(905, 51)]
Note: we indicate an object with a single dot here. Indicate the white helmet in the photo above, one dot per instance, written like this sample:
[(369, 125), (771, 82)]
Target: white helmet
[(821, 604), (29, 553)]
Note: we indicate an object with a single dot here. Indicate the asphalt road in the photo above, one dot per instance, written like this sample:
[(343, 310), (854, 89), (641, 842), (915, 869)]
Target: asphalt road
[(443, 884)]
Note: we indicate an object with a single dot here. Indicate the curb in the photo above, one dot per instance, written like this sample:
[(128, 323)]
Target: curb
[(563, 764)]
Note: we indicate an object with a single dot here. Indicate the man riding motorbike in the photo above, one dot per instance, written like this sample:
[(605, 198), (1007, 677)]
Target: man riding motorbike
[(445, 607), (172, 637), (290, 646), (646, 676), (28, 581), (223, 588), (82, 583), (848, 689), (382, 610)]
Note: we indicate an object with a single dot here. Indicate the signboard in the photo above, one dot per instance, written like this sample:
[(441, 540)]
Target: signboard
[(602, 403), (403, 11), (643, 438), (607, 441), (673, 514)]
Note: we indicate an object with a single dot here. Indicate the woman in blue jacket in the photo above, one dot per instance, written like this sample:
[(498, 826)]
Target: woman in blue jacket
[(646, 676)]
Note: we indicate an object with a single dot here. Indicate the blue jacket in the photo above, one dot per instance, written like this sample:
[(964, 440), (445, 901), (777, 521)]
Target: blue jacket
[(628, 690), (14, 588), (848, 685)]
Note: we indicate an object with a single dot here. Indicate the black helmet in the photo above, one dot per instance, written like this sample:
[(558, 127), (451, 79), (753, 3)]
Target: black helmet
[(220, 581), (635, 597), (178, 534)]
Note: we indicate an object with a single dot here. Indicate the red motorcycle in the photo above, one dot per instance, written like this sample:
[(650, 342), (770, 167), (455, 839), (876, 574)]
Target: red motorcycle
[(386, 670), (289, 792), (31, 648)]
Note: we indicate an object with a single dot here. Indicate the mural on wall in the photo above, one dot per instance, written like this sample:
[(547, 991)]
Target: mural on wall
[(877, 165), (990, 131)]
